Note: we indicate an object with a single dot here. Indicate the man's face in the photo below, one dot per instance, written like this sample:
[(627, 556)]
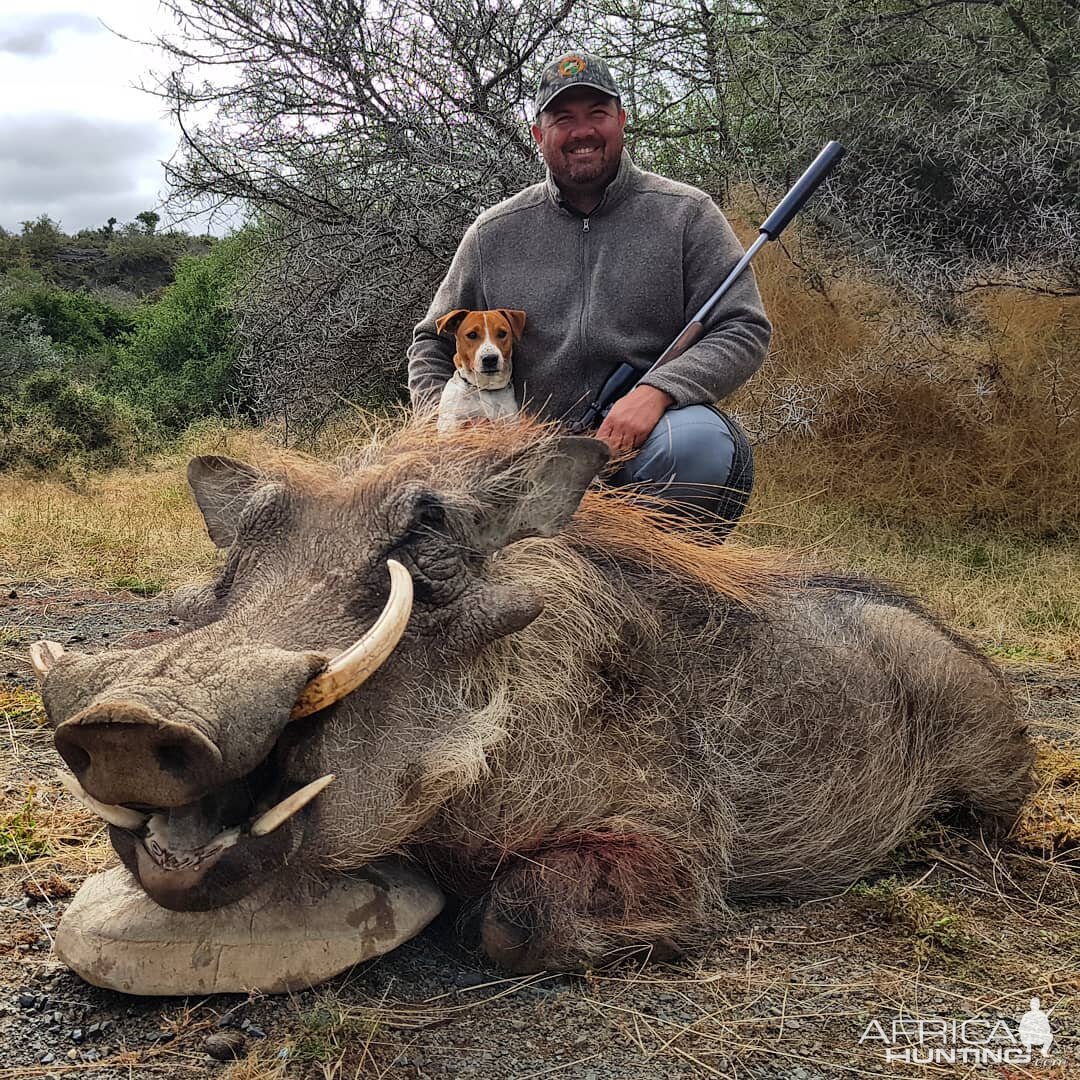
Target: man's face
[(580, 135)]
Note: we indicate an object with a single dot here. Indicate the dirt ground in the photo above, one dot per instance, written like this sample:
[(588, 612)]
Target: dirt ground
[(953, 929)]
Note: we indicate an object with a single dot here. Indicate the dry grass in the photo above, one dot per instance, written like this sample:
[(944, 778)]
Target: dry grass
[(867, 400), (1050, 821), (1015, 593), (48, 842), (131, 528)]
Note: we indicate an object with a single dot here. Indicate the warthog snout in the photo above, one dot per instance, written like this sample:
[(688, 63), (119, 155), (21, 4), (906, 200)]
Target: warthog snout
[(122, 752)]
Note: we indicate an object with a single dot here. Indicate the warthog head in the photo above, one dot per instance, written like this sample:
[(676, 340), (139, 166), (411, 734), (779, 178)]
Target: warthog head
[(308, 717)]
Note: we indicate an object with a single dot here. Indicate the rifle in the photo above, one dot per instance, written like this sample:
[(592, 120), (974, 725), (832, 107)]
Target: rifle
[(625, 376)]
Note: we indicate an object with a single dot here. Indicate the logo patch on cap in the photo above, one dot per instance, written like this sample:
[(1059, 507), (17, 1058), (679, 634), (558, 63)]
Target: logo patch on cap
[(571, 65)]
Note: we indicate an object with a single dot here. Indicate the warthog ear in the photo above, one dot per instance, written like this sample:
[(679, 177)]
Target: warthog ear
[(222, 487), (537, 491)]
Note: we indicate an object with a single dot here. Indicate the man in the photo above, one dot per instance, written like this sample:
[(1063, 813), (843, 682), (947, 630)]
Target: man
[(609, 263)]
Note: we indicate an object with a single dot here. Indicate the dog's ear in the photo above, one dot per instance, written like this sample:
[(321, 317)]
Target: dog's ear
[(516, 319), (449, 323)]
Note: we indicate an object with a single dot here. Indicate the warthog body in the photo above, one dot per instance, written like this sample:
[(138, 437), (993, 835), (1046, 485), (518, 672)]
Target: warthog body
[(594, 731)]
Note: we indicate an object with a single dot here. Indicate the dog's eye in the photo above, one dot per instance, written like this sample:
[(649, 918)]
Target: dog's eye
[(472, 335), (501, 333)]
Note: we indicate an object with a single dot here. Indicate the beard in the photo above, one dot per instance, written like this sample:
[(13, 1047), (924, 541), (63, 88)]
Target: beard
[(598, 168)]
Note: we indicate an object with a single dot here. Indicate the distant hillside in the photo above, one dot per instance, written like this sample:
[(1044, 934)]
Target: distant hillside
[(133, 258)]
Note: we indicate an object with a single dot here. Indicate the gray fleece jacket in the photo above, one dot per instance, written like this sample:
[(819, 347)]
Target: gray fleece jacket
[(616, 285)]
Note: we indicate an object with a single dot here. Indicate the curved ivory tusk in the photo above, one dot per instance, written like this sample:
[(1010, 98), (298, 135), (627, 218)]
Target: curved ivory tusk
[(120, 816), (43, 654), (278, 815), (361, 660)]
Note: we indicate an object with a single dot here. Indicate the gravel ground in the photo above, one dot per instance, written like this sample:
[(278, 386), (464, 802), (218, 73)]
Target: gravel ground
[(786, 991)]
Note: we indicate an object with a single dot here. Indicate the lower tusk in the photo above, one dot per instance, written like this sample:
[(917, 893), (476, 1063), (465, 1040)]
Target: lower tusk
[(278, 815), (120, 816), (43, 654)]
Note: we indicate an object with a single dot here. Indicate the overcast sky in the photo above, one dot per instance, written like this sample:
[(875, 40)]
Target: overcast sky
[(78, 140)]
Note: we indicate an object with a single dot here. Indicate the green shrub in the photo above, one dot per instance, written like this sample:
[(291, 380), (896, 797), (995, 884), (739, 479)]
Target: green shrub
[(31, 442), (178, 363), (79, 320), (56, 421)]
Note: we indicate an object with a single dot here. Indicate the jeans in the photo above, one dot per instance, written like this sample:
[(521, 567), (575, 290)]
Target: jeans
[(696, 463)]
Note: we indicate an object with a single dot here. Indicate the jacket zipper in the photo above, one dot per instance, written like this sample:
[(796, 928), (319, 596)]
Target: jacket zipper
[(584, 288)]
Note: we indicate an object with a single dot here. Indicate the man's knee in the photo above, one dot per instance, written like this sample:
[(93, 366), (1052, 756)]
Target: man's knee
[(694, 457), (694, 443)]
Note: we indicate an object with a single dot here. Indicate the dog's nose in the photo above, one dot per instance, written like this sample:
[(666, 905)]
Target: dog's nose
[(489, 363)]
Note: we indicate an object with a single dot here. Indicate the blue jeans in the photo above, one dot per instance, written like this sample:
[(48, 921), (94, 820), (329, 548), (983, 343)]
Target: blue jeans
[(697, 463)]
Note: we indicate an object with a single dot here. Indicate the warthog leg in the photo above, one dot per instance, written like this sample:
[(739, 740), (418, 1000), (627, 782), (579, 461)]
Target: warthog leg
[(587, 898)]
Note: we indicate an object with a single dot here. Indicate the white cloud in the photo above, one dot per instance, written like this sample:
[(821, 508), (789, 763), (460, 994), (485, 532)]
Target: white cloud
[(35, 35), (80, 170), (79, 140)]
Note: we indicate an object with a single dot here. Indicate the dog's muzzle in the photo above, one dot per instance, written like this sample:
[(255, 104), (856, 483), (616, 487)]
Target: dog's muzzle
[(488, 361)]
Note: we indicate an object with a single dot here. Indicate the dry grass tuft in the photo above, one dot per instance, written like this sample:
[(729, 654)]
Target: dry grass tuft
[(1050, 820), (47, 839), (867, 399)]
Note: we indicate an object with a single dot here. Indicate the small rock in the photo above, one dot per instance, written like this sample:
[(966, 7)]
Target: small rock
[(255, 1032), (73, 1054), (46, 1059), (27, 1001), (225, 1045), (470, 979), (92, 1030), (77, 1035)]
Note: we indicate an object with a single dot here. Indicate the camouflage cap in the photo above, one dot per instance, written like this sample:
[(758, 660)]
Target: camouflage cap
[(570, 70)]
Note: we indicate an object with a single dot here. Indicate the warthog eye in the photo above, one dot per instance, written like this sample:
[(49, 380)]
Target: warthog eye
[(429, 511)]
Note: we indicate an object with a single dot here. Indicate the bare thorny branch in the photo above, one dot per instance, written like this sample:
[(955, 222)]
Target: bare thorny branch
[(366, 137)]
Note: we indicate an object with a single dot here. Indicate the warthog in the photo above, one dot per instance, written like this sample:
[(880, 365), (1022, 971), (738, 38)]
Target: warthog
[(594, 728)]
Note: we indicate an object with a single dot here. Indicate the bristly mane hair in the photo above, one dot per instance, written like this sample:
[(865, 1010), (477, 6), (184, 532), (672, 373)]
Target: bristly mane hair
[(611, 523)]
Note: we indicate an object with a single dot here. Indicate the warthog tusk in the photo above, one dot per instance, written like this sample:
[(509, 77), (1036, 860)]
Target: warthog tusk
[(43, 654), (361, 660), (120, 816), (278, 815)]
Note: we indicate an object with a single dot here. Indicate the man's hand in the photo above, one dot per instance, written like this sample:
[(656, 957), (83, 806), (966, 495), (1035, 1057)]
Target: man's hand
[(632, 417)]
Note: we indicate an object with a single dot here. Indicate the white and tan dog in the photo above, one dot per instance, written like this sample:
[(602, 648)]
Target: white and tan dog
[(480, 388)]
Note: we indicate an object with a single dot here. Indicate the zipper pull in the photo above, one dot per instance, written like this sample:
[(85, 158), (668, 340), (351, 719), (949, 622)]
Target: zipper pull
[(584, 224)]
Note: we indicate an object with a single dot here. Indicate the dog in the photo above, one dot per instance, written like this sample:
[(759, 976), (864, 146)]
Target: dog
[(480, 388)]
